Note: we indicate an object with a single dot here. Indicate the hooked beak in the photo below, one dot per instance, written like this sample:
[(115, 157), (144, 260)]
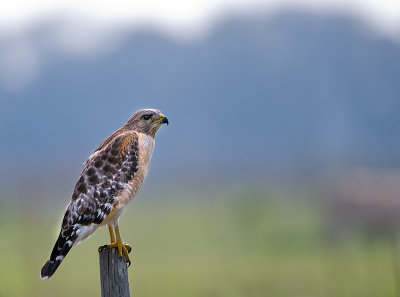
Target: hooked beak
[(162, 120)]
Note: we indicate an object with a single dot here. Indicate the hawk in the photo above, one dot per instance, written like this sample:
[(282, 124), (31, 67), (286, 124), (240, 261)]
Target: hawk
[(110, 178)]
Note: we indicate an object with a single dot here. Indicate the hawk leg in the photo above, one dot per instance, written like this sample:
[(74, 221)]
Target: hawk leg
[(116, 242)]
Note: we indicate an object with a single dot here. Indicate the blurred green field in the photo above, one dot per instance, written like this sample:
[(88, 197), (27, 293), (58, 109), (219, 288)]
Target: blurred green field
[(238, 243)]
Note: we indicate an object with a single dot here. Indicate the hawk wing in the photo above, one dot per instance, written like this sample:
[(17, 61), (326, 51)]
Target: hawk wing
[(102, 179)]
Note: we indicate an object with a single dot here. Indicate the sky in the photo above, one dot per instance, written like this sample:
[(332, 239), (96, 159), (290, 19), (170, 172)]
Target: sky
[(92, 27), (19, 15)]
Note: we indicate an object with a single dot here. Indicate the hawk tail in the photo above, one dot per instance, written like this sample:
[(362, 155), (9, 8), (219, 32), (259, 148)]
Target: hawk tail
[(64, 243)]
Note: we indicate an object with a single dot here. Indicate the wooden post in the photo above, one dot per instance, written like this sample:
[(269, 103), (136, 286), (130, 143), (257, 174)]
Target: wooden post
[(113, 273)]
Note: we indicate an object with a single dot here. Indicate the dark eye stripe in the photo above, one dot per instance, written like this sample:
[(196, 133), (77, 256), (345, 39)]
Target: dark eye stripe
[(146, 117)]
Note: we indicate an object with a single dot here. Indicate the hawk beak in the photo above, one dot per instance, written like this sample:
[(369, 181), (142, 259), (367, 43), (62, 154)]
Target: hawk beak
[(163, 119)]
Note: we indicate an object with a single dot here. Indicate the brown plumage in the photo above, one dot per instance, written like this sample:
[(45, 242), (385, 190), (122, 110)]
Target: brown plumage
[(109, 180)]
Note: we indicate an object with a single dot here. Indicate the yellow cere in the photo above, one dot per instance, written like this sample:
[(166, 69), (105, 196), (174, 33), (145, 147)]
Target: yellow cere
[(159, 120)]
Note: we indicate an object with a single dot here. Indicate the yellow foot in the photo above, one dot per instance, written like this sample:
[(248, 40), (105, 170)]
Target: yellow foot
[(122, 248)]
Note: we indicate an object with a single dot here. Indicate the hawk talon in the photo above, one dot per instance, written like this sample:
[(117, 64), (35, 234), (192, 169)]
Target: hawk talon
[(128, 264), (116, 242), (123, 248), (120, 245), (128, 247)]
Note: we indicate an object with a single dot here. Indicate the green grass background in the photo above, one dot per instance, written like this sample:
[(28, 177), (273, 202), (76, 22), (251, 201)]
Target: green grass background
[(237, 243)]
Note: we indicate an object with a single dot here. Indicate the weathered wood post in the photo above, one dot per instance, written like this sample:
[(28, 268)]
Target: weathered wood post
[(113, 273)]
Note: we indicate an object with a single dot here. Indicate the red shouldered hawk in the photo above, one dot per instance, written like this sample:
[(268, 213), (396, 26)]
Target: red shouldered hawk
[(110, 178)]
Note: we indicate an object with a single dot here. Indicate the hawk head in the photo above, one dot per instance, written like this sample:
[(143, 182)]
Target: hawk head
[(146, 121)]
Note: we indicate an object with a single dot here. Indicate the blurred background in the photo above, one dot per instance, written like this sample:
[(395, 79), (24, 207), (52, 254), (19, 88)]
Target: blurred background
[(279, 174)]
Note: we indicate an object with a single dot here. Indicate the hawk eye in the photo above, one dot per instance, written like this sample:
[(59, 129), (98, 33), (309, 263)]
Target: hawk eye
[(146, 117)]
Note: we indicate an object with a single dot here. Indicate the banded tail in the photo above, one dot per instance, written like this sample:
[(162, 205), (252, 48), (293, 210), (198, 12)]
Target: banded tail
[(64, 243)]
